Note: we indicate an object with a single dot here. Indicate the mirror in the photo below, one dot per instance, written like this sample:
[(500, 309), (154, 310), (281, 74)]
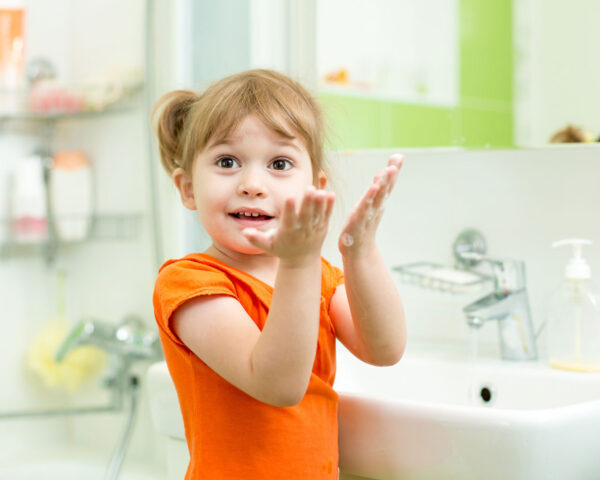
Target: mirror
[(427, 73), (466, 73)]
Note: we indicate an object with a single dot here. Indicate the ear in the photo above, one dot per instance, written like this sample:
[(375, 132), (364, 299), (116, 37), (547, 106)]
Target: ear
[(321, 180), (183, 182)]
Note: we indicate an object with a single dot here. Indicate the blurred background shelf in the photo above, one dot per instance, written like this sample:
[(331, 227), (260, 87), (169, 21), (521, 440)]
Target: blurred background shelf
[(80, 102), (115, 227)]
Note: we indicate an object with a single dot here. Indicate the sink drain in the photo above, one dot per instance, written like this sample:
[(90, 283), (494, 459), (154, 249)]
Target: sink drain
[(483, 394), (486, 394)]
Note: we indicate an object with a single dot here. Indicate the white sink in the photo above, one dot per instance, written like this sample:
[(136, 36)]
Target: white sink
[(164, 406), (426, 419)]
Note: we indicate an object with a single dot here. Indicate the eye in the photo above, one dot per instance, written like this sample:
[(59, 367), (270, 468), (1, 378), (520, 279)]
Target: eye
[(281, 164), (227, 162)]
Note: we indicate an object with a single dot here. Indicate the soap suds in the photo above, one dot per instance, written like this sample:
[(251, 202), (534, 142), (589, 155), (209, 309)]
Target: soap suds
[(347, 240)]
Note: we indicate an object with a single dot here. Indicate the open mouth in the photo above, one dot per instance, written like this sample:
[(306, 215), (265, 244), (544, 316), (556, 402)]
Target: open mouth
[(251, 218)]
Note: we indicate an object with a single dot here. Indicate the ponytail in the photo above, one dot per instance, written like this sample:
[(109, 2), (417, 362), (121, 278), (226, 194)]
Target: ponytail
[(168, 118)]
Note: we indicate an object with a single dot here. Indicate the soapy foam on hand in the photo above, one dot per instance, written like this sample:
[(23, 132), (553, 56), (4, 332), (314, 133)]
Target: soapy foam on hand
[(347, 240)]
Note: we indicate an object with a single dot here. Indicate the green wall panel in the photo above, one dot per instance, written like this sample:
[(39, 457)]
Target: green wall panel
[(419, 125), (352, 122), (480, 128), (486, 49), (360, 123)]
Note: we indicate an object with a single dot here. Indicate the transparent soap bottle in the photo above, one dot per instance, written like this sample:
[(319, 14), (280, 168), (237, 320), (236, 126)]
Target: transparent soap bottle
[(574, 316)]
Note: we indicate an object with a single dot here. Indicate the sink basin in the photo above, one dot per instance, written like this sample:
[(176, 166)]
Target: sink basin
[(438, 416), (435, 416), (164, 405)]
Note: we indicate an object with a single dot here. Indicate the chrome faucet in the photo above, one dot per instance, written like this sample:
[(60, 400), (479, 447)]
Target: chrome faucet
[(129, 339), (508, 304)]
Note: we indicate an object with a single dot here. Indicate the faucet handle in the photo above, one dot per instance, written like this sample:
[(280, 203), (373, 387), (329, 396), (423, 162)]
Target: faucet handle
[(509, 274)]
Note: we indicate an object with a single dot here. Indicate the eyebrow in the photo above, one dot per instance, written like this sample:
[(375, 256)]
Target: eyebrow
[(288, 143), (228, 141), (216, 143)]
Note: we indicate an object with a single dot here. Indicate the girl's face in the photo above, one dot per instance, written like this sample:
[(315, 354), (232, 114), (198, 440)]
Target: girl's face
[(243, 181)]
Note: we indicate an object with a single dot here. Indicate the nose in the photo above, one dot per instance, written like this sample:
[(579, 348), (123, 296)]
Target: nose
[(250, 185)]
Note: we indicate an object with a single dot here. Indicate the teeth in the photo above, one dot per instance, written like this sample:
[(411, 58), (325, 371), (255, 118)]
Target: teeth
[(250, 214)]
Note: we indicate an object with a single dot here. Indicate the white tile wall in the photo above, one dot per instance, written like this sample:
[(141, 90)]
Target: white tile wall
[(521, 200)]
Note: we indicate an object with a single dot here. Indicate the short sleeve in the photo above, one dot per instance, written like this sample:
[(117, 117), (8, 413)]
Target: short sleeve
[(331, 277), (181, 280)]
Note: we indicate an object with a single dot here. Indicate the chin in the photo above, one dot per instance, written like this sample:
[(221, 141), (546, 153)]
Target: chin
[(242, 247), (250, 250)]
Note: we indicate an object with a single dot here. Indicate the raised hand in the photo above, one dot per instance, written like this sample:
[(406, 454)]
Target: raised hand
[(359, 231), (301, 232)]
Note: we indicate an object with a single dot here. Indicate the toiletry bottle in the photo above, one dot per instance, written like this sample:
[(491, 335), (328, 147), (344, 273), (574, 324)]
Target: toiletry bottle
[(12, 55), (574, 316), (70, 192), (71, 195), (29, 213)]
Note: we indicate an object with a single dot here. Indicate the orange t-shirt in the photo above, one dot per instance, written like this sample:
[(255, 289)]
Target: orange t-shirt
[(231, 435)]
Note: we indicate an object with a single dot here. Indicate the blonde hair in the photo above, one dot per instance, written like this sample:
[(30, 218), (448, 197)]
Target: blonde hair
[(185, 121)]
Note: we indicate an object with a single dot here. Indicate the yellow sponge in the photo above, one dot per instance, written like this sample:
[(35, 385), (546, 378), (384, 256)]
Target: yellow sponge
[(79, 365)]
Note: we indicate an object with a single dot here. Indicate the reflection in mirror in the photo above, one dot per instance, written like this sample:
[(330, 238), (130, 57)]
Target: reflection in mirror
[(458, 72)]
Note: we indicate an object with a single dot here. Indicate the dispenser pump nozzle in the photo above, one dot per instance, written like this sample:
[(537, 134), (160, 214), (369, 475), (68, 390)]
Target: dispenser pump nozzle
[(577, 268)]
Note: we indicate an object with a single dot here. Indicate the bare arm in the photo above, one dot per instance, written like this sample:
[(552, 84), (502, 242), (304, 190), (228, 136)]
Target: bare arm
[(367, 310), (273, 366)]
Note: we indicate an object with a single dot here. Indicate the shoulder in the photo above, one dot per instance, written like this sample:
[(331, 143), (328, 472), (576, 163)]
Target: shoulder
[(192, 270), (181, 279)]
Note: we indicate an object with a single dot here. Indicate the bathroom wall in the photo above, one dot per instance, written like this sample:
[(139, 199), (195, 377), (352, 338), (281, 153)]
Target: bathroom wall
[(563, 82), (520, 200), (106, 279)]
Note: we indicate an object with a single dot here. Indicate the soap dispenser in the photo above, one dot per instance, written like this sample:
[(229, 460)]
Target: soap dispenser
[(574, 316)]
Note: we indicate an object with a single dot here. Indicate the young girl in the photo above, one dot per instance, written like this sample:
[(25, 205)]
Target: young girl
[(248, 327)]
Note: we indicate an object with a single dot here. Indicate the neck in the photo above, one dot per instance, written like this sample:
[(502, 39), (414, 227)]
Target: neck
[(260, 265)]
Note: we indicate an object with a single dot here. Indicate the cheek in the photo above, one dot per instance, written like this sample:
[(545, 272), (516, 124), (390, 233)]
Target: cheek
[(206, 203), (301, 178), (299, 186), (210, 189)]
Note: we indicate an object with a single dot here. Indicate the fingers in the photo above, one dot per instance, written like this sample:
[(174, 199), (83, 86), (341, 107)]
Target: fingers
[(298, 229), (370, 207), (307, 207), (315, 209), (328, 209), (322, 210), (386, 179), (262, 240), (288, 214), (396, 160)]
